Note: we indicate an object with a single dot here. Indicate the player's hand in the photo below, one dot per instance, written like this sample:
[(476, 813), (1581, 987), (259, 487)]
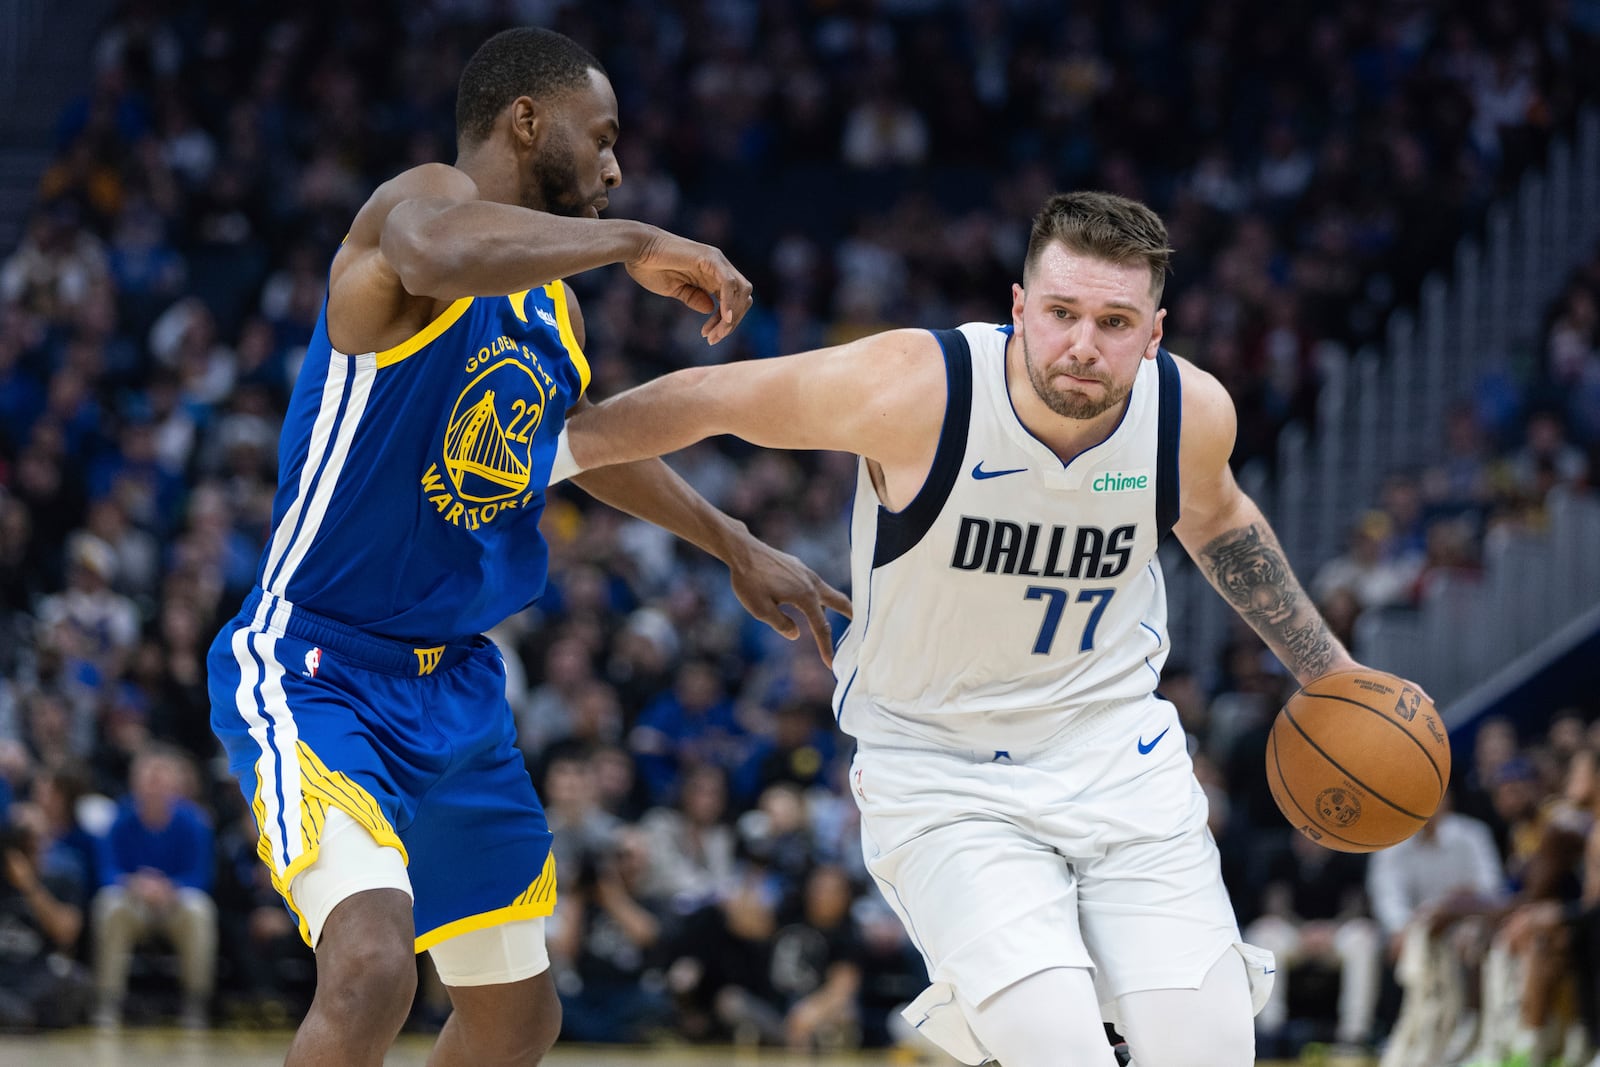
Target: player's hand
[(765, 580), (697, 275)]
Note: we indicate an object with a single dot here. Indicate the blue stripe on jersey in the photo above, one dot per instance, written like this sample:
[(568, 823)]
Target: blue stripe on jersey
[(899, 531), (1169, 430)]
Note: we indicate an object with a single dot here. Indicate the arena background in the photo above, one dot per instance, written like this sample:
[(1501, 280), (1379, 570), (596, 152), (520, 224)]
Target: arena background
[(1386, 218)]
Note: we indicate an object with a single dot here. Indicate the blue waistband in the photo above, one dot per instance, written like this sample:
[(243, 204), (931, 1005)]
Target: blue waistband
[(272, 614)]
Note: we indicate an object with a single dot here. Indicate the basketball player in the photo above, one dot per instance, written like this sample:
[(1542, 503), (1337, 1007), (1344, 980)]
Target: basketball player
[(363, 713), (1028, 804)]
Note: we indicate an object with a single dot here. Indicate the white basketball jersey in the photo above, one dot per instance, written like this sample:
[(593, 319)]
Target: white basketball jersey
[(1014, 589)]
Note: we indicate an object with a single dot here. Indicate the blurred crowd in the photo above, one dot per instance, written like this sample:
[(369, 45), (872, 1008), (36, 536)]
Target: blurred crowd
[(1312, 162)]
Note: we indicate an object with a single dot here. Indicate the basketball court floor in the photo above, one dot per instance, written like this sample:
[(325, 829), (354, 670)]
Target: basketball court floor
[(174, 1048), (240, 1048)]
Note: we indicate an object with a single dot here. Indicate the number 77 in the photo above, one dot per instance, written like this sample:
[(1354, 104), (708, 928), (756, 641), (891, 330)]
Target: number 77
[(1055, 603)]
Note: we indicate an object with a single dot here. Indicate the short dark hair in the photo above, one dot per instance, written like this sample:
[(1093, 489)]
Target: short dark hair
[(1104, 226), (526, 61)]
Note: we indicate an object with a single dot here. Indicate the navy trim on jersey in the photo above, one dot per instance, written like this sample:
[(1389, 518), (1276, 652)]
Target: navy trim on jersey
[(899, 531), (1168, 430)]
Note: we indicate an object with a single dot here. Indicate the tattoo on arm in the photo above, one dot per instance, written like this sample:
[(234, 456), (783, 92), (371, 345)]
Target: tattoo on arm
[(1247, 567)]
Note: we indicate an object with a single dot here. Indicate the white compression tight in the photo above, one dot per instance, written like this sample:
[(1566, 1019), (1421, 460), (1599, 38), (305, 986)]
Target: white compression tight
[(1045, 1020), (1053, 1018), (1212, 1026)]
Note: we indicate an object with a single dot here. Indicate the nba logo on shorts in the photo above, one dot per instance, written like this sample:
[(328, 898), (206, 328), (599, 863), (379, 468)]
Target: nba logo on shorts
[(313, 661)]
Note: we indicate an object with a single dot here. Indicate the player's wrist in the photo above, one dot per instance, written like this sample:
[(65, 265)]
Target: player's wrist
[(733, 543), (635, 239)]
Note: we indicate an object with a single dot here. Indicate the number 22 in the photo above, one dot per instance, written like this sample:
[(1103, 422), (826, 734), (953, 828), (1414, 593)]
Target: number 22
[(1055, 603)]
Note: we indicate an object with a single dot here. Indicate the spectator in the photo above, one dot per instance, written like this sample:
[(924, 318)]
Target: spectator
[(892, 973), (800, 749), (807, 997), (157, 864), (612, 929), (41, 986), (57, 265), (692, 845), (570, 790), (1547, 450), (96, 625), (66, 845), (1371, 569), (1494, 745), (1314, 914), (816, 966), (547, 715), (692, 723), (1526, 971), (275, 972), (1426, 893)]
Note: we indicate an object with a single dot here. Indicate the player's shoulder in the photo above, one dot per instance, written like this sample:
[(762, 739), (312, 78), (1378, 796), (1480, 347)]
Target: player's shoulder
[(1207, 407), (427, 181)]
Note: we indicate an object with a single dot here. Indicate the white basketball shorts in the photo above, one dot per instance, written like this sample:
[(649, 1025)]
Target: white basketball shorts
[(1094, 853)]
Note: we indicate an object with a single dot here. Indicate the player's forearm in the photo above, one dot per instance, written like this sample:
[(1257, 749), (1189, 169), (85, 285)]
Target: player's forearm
[(450, 250), (652, 491), (654, 419), (1245, 563)]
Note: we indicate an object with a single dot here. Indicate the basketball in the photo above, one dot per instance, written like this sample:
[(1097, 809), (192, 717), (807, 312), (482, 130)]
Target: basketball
[(1358, 760)]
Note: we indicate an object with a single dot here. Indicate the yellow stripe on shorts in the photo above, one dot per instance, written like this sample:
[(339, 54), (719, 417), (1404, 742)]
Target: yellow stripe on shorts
[(320, 789), (538, 900)]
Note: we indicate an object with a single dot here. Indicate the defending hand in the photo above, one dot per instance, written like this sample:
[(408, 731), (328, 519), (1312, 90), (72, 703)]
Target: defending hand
[(765, 579), (697, 275)]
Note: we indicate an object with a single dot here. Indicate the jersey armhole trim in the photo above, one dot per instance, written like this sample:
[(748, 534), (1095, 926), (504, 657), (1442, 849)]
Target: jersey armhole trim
[(899, 531), (557, 291), (1169, 427), (425, 336)]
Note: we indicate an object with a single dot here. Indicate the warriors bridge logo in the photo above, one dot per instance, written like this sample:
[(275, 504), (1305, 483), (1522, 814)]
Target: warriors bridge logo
[(488, 441)]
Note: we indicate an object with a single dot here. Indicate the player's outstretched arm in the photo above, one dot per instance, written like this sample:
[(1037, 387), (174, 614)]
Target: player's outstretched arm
[(877, 397), (1226, 534), (425, 238), (634, 481)]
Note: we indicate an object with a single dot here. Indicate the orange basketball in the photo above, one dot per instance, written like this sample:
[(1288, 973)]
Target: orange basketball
[(1358, 760)]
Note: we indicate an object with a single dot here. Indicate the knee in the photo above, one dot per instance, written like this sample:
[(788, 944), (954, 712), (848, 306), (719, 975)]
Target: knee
[(197, 914), (367, 984), (1359, 938), (111, 903), (197, 904), (517, 1038), (526, 1044)]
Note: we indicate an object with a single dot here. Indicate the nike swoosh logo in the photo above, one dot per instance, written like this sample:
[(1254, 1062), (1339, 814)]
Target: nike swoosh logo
[(979, 473), (1144, 749)]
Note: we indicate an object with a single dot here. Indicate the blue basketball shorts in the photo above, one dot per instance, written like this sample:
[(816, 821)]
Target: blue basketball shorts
[(416, 744)]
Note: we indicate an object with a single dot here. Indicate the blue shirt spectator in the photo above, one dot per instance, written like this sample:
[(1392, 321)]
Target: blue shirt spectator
[(694, 722), (172, 837)]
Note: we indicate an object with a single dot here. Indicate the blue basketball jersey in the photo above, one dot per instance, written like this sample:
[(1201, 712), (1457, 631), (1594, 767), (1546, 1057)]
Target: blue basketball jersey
[(411, 481)]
